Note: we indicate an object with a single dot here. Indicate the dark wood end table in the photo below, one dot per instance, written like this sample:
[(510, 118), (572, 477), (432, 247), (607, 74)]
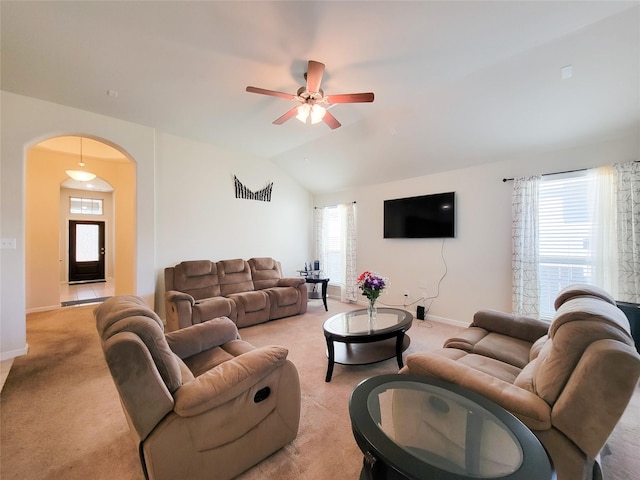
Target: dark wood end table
[(324, 282)]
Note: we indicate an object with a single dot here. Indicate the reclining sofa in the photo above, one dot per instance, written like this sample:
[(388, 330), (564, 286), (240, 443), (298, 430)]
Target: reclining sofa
[(569, 381), (201, 403), (247, 292)]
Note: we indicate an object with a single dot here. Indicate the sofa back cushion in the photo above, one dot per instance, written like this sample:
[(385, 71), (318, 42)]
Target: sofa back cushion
[(580, 290), (198, 278), (234, 276), (144, 369), (578, 323), (127, 313), (265, 271)]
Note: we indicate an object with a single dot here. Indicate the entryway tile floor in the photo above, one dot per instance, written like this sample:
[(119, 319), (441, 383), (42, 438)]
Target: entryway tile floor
[(85, 292)]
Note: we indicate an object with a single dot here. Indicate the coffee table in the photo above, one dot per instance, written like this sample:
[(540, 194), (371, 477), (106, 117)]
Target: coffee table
[(415, 427), (347, 333)]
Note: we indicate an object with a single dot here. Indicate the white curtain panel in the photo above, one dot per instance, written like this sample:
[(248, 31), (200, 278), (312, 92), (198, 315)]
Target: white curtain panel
[(604, 251), (319, 226), (526, 282), (350, 292), (628, 231)]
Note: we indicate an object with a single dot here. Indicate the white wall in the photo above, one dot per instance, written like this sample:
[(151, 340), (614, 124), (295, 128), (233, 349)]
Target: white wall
[(25, 122), (478, 260), (200, 218), (184, 203)]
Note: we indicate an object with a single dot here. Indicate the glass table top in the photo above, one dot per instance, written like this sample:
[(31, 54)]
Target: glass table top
[(445, 429), (356, 322), (423, 427)]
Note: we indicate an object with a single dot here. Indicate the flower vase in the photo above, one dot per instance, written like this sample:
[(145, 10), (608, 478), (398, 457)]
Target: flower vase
[(372, 310)]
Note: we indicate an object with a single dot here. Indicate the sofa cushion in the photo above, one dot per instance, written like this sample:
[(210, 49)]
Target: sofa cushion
[(506, 349), (198, 278), (234, 276), (265, 272), (247, 302), (491, 366), (283, 296)]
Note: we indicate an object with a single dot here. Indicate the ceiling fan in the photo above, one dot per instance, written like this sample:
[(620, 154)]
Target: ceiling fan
[(314, 103)]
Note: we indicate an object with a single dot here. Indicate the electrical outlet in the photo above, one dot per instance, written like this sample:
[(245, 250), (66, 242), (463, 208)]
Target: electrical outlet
[(8, 243)]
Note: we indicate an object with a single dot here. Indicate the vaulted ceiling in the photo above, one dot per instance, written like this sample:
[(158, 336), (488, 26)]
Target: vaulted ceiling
[(455, 83)]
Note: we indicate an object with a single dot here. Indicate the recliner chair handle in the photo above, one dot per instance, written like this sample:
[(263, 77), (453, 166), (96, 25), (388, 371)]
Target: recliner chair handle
[(262, 394)]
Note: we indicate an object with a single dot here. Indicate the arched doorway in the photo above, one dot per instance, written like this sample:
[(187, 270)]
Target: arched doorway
[(54, 202)]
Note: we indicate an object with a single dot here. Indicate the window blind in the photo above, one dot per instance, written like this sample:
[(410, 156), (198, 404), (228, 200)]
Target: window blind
[(566, 229)]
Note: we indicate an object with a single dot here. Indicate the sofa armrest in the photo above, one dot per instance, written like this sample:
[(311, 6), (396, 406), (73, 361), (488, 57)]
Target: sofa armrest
[(178, 309), (534, 412), (523, 328), (290, 282), (227, 381), (175, 296), (197, 338)]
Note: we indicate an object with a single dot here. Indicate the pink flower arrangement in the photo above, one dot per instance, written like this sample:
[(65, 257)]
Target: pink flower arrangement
[(371, 285)]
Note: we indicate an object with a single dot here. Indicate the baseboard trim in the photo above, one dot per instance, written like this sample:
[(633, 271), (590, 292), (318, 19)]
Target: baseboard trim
[(14, 353), (43, 309), (448, 321)]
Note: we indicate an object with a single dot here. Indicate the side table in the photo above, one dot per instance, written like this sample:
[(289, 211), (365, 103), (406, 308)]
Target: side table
[(324, 282)]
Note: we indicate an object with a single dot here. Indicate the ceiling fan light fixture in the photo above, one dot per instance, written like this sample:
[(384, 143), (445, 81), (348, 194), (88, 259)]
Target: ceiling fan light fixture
[(80, 175), (315, 113), (303, 112)]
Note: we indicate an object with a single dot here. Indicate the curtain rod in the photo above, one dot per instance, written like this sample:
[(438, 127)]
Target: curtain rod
[(558, 173), (333, 205)]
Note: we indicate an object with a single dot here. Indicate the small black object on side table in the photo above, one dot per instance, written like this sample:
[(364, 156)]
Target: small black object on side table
[(417, 427)]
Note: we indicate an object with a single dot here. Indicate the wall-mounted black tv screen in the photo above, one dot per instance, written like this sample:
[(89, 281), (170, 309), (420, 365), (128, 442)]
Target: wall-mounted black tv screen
[(426, 216)]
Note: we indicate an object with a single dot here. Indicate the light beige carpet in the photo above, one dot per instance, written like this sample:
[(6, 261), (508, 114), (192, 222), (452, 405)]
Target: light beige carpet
[(61, 417)]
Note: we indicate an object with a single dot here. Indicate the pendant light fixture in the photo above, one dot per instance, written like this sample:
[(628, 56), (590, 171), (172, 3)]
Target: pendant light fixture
[(81, 175)]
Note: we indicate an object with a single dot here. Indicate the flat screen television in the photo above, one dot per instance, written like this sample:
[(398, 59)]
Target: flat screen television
[(426, 216)]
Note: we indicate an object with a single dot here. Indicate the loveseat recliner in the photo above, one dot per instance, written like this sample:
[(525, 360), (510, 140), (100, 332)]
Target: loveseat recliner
[(201, 403), (569, 383), (247, 292)]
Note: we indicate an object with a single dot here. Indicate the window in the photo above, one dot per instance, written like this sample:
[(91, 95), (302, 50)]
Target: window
[(85, 206), (333, 245), (567, 229), (335, 229)]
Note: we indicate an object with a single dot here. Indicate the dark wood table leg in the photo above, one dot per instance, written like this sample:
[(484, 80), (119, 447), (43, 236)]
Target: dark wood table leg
[(399, 341), (330, 358), (324, 295)]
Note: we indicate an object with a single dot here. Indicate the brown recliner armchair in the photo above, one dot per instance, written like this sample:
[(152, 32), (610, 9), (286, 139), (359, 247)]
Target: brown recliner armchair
[(570, 386), (201, 403)]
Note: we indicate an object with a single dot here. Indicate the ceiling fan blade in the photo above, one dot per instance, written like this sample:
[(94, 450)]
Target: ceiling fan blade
[(272, 93), (349, 98), (330, 120), (315, 70), (290, 114)]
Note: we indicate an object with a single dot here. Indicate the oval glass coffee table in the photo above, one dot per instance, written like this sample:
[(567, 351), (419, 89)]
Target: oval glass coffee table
[(347, 333), (415, 427)]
